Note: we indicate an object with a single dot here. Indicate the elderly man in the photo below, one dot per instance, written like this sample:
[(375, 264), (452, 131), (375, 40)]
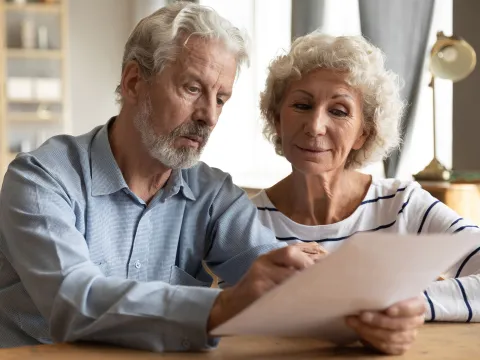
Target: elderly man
[(102, 236)]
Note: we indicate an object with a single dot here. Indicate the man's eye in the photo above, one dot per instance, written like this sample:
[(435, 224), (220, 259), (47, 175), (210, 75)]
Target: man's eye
[(193, 89), (220, 102)]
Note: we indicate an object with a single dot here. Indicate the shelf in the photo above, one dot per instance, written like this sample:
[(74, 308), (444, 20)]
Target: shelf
[(41, 8), (34, 102), (31, 117), (34, 54)]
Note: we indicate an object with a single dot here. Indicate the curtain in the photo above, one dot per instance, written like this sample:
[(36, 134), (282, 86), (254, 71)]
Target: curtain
[(307, 16), (401, 29)]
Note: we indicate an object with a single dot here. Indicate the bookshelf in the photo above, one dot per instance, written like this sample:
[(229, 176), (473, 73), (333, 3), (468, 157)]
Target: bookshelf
[(40, 7), (33, 53)]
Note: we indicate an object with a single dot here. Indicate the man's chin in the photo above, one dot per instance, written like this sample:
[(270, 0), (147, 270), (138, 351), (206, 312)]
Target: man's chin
[(188, 164), (179, 158), (181, 163)]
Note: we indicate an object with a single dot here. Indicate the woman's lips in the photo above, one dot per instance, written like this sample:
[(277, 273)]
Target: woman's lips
[(313, 150)]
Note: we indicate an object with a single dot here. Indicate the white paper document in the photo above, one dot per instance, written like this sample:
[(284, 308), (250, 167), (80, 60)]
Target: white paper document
[(370, 271)]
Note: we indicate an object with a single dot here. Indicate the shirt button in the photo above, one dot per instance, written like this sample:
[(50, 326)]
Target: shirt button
[(138, 264), (186, 344)]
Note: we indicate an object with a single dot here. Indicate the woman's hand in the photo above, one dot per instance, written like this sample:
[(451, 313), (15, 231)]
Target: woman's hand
[(314, 250), (392, 331)]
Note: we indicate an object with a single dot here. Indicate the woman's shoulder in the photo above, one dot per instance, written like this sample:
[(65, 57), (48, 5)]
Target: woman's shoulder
[(387, 186), (390, 194), (261, 199)]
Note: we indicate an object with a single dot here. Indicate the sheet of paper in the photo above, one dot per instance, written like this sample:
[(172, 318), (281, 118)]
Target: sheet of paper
[(370, 271)]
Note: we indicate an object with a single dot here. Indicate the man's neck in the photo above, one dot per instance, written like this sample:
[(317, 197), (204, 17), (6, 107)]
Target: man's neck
[(143, 174)]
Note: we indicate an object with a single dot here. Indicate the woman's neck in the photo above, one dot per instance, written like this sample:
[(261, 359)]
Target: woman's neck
[(320, 200)]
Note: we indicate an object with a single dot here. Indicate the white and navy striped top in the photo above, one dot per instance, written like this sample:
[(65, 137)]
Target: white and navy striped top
[(399, 207)]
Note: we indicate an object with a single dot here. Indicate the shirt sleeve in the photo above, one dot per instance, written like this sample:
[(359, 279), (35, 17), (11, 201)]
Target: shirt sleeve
[(39, 238), (238, 236), (458, 297)]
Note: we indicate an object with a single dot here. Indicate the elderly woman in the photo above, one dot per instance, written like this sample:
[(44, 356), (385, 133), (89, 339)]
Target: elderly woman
[(331, 107)]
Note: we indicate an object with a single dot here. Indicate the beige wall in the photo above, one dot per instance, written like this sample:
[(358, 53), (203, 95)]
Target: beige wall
[(98, 30), (466, 93)]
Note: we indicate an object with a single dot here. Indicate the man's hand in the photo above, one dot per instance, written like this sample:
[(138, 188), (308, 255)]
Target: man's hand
[(266, 272), (391, 331)]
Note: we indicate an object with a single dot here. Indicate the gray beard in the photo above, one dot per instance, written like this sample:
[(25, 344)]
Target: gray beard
[(161, 147)]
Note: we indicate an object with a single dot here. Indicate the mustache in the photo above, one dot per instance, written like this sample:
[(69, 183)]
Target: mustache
[(192, 128)]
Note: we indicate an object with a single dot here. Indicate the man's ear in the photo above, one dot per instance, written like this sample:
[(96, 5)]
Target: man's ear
[(131, 82)]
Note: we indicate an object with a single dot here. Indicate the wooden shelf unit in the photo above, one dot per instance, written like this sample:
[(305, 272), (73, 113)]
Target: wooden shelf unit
[(21, 112), (34, 54), (33, 101), (31, 117), (34, 7)]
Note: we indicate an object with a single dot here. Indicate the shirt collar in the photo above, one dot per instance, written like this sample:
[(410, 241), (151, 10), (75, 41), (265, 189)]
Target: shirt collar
[(175, 184), (106, 175), (107, 178)]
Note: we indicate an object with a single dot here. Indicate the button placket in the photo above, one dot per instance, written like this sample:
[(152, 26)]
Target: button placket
[(137, 265)]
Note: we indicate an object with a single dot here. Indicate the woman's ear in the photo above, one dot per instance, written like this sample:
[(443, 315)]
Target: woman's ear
[(276, 122), (362, 138)]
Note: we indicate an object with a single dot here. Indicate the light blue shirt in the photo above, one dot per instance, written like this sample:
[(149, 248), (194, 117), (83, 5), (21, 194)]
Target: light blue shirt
[(83, 258)]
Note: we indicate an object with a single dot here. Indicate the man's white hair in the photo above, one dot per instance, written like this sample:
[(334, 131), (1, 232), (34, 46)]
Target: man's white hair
[(365, 65), (155, 40)]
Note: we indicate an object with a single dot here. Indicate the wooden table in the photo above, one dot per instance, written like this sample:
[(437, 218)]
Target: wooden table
[(435, 342)]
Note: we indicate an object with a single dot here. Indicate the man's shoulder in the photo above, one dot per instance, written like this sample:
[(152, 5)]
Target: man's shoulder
[(62, 157), (201, 171), (65, 145), (203, 179)]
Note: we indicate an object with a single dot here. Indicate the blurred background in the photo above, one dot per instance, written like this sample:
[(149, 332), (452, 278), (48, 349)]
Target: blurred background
[(60, 63)]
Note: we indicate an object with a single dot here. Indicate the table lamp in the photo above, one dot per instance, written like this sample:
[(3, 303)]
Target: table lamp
[(451, 58)]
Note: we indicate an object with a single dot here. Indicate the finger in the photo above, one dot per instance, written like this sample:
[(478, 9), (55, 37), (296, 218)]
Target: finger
[(380, 320), (390, 349), (406, 308), (290, 256), (277, 274), (316, 257), (376, 335), (311, 248), (314, 251)]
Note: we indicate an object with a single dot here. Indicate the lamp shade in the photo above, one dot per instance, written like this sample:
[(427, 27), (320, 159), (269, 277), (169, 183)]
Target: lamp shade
[(452, 58)]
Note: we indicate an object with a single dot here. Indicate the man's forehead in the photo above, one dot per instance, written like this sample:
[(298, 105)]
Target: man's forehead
[(209, 53)]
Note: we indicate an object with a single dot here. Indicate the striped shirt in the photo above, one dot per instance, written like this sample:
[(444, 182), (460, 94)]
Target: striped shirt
[(401, 207), (83, 258)]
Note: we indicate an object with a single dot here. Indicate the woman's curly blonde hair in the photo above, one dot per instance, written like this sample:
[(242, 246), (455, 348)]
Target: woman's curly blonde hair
[(365, 65)]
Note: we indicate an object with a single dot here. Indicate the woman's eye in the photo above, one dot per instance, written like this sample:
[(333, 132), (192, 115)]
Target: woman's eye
[(339, 113), (300, 106)]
